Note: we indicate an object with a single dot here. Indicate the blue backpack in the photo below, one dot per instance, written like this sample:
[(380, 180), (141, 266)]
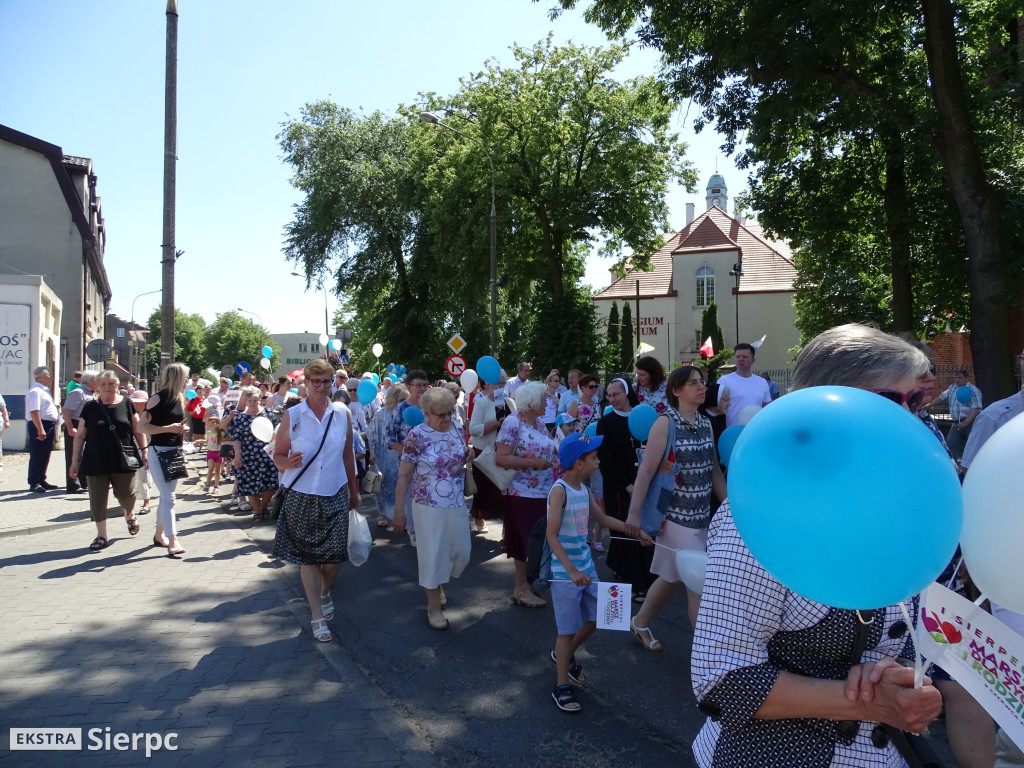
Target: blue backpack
[(659, 492)]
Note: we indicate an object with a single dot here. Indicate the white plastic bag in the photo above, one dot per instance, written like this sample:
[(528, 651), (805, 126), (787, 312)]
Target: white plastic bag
[(359, 538)]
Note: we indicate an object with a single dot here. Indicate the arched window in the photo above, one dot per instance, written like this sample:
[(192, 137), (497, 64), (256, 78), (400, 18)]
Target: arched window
[(705, 286)]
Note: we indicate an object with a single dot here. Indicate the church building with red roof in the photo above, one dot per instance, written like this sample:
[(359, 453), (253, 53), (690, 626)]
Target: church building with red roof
[(715, 257)]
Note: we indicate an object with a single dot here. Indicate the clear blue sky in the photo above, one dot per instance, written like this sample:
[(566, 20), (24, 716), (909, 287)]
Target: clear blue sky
[(89, 77)]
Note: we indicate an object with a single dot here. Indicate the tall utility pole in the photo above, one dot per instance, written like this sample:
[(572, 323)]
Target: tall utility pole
[(170, 163)]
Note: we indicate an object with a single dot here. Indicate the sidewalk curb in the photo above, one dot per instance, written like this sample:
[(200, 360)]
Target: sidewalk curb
[(40, 528)]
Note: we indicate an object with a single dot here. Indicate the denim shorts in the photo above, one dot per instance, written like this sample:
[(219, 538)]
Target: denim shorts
[(574, 606)]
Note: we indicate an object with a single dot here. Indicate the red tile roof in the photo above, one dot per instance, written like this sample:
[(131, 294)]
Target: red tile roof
[(767, 264)]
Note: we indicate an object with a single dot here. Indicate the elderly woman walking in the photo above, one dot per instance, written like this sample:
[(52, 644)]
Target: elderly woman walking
[(382, 455), (434, 466), (164, 421), (524, 445), (314, 451), (256, 474), (113, 424)]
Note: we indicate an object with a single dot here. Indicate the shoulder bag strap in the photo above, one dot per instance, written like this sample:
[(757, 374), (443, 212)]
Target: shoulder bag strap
[(322, 440)]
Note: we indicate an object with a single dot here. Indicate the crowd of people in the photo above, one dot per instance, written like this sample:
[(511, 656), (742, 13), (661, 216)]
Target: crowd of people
[(783, 680)]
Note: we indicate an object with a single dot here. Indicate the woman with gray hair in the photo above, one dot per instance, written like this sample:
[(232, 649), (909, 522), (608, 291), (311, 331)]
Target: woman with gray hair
[(525, 445), (256, 475), (785, 680)]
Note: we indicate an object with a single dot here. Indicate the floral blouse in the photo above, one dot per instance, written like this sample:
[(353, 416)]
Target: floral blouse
[(657, 398), (529, 441), (439, 473)]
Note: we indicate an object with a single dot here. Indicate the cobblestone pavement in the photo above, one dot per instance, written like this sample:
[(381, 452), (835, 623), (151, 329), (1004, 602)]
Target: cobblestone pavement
[(216, 648)]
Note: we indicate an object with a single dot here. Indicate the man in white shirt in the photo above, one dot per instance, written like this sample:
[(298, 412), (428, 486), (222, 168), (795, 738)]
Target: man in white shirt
[(522, 376), (70, 413), (42, 426), (572, 393), (962, 412), (741, 388), (340, 378)]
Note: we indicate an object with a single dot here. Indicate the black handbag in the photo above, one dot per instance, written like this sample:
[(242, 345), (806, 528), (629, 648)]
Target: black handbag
[(277, 500), (130, 458), (172, 464)]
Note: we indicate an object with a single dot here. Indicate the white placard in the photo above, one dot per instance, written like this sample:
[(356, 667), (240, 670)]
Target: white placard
[(613, 601), (15, 325), (980, 652)]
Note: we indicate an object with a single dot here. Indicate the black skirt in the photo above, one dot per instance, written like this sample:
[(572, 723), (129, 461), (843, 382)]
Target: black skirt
[(313, 530)]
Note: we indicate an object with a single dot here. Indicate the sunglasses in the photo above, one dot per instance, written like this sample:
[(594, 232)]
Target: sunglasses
[(591, 386), (319, 382), (912, 399)]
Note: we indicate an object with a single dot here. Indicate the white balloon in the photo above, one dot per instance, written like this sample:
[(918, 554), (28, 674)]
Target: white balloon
[(323, 339), (469, 379), (262, 429), (993, 519), (692, 564), (378, 350), (745, 415), (265, 364)]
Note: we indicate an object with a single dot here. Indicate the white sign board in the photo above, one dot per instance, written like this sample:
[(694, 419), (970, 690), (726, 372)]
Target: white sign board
[(15, 358), (613, 605)]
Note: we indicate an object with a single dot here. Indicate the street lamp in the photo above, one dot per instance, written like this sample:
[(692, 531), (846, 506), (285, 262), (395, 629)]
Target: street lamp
[(737, 272), (320, 284), (260, 319), (131, 357), (430, 117)]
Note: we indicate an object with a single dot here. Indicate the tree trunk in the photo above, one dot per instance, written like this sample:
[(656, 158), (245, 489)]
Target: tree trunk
[(980, 206), (895, 196)]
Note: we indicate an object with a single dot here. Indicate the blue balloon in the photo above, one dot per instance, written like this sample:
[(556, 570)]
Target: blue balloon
[(366, 392), (591, 430), (641, 419), (190, 393), (267, 352), (413, 416), (488, 369), (376, 380), (293, 391), (728, 441), (964, 394), (846, 516), (607, 409)]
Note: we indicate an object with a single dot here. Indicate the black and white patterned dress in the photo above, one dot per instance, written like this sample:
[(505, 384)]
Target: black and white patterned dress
[(750, 628), (694, 454), (257, 473)]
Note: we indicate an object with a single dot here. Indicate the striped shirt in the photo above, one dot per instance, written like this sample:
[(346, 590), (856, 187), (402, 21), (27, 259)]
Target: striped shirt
[(572, 533)]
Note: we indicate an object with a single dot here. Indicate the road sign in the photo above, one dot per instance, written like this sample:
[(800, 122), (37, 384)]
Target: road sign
[(343, 359), (455, 365), (456, 343), (99, 350)]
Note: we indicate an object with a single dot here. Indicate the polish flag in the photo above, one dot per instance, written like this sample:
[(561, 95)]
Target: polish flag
[(706, 350)]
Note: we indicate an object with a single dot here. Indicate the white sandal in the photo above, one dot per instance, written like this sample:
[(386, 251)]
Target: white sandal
[(321, 631), (327, 606), (654, 646)]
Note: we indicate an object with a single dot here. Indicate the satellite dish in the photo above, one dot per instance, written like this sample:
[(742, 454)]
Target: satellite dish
[(98, 350)]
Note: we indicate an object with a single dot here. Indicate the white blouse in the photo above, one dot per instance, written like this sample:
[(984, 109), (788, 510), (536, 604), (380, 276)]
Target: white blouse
[(327, 474)]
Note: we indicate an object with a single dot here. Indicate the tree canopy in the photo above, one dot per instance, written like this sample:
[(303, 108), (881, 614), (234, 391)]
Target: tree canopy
[(884, 141), (189, 341), (395, 211), (232, 338)]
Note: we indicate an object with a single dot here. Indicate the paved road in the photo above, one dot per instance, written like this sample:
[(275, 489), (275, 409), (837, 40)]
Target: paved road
[(216, 648)]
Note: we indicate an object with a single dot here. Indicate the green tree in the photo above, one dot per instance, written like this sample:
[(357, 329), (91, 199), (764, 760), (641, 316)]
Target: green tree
[(611, 356), (709, 327), (579, 158), (905, 77), (189, 342), (232, 338), (627, 342)]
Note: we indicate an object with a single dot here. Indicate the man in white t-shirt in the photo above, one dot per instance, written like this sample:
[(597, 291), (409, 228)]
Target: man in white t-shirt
[(741, 388), (522, 377)]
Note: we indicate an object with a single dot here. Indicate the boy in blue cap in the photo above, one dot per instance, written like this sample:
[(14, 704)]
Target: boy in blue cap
[(573, 575)]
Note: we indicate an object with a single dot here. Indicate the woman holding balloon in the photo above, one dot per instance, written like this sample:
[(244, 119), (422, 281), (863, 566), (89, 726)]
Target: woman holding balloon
[(524, 445), (697, 473), (250, 431), (788, 672)]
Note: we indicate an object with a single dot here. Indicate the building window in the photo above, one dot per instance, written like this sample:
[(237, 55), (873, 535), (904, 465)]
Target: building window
[(705, 286), (302, 346), (120, 333), (314, 347)]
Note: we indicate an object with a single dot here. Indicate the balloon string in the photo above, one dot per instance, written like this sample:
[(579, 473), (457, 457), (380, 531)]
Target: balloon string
[(918, 666), (981, 599), (952, 579), (663, 546)]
